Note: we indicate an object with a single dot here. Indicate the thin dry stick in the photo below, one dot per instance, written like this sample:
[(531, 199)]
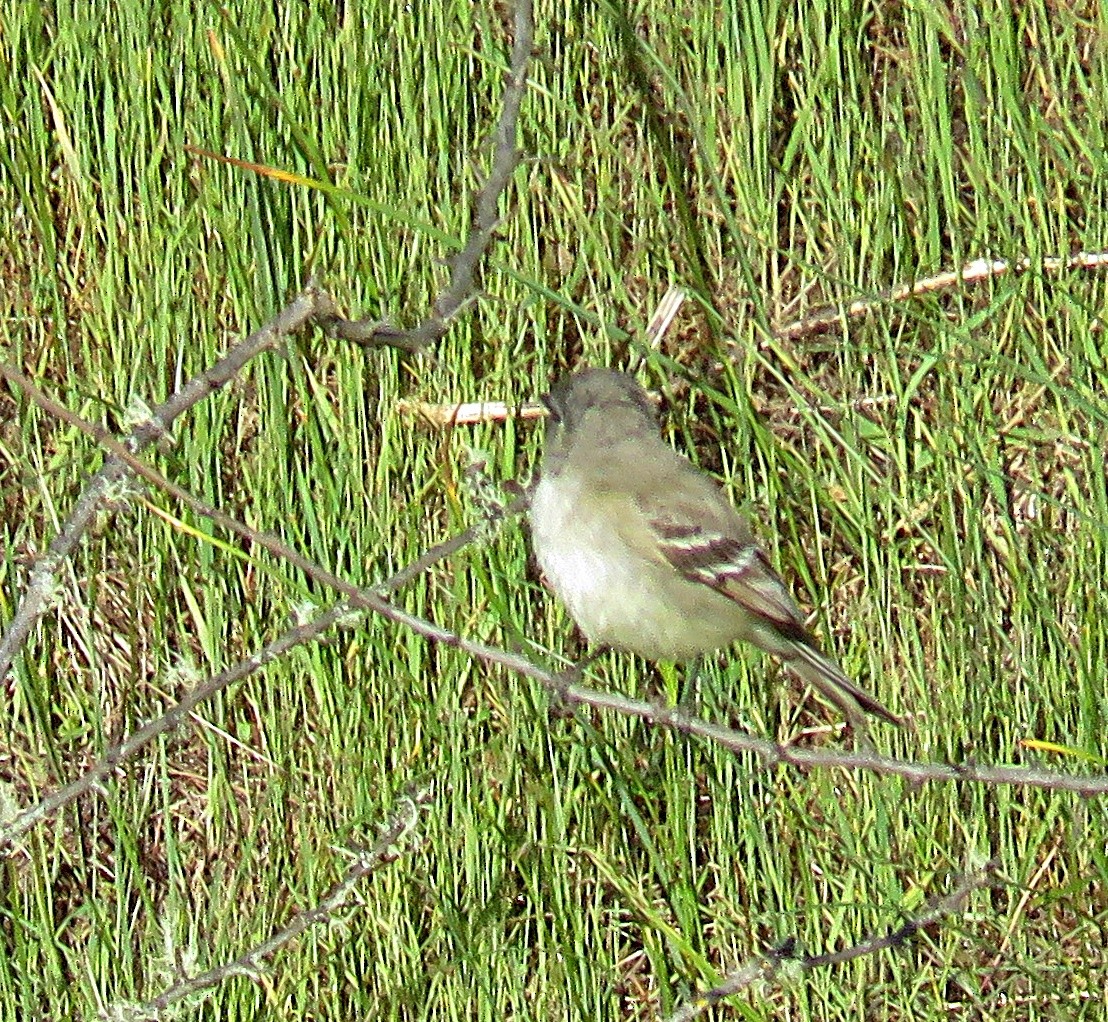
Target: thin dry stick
[(94, 778), (764, 967), (979, 269), (1021, 907), (659, 324), (464, 265), (385, 850), (772, 753), (469, 413), (310, 305)]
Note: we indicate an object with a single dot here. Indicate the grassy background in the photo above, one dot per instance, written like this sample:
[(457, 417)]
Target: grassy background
[(931, 479)]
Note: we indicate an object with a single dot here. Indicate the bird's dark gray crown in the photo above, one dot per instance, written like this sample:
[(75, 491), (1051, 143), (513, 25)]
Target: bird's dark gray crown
[(573, 397)]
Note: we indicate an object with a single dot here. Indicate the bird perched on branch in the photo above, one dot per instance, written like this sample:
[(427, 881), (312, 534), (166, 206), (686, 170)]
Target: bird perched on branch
[(646, 552)]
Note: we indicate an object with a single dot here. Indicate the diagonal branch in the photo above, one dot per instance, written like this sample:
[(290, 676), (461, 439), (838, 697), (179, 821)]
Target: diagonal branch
[(464, 265), (373, 599), (830, 317), (310, 305), (399, 834), (764, 967)]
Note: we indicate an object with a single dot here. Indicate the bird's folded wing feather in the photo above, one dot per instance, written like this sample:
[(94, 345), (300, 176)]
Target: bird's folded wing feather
[(734, 567)]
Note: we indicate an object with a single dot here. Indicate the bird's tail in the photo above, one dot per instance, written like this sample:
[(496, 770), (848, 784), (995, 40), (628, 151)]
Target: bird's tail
[(828, 678)]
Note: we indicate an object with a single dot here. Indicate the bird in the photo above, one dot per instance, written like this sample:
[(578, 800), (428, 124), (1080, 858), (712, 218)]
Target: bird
[(647, 553)]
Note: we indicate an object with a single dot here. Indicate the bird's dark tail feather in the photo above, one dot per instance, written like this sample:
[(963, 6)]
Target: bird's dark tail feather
[(826, 676)]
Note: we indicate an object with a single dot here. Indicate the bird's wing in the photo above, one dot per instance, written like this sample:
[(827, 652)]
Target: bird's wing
[(718, 550), (730, 562)]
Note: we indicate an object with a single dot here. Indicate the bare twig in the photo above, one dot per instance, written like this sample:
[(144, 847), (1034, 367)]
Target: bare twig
[(373, 599), (373, 333), (311, 304), (763, 967), (660, 322), (980, 269), (385, 850), (464, 264), (1017, 915), (773, 753)]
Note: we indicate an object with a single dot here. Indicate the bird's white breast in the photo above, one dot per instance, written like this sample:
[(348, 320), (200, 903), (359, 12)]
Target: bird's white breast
[(617, 595)]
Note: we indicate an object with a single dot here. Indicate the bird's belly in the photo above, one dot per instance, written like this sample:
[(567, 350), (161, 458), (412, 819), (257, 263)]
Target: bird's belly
[(631, 602)]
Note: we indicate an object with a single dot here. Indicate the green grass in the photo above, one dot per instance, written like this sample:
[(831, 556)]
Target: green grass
[(930, 480)]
